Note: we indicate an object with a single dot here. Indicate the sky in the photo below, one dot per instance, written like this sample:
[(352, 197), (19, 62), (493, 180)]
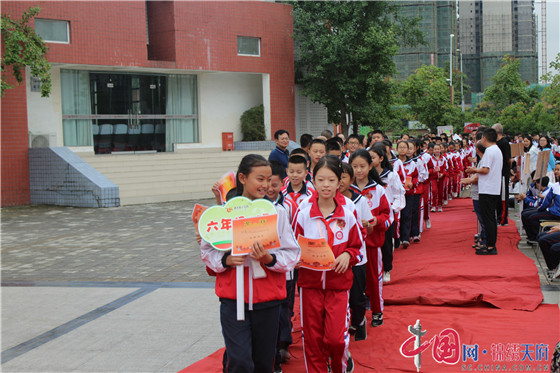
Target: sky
[(553, 29)]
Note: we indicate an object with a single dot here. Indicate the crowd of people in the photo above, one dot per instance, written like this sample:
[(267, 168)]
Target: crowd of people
[(366, 196)]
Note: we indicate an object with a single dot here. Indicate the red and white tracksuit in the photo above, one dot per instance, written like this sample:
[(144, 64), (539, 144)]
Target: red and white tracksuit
[(380, 209), (437, 183), (325, 314)]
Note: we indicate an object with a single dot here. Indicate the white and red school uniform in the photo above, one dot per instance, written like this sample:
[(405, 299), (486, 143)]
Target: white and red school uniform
[(426, 192), (271, 287), (437, 184), (381, 210), (457, 170), (448, 175), (398, 168), (323, 336), (411, 171), (296, 197)]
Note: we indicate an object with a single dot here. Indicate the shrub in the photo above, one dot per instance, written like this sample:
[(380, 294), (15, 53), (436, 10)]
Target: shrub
[(252, 124)]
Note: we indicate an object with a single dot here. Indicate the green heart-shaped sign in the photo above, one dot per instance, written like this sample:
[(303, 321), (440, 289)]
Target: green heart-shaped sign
[(215, 225)]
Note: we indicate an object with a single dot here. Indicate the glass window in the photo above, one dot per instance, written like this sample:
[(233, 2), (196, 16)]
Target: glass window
[(248, 46), (53, 31), (129, 112)]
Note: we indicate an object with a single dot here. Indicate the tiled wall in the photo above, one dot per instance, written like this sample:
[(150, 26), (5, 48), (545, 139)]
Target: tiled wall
[(15, 141), (60, 177)]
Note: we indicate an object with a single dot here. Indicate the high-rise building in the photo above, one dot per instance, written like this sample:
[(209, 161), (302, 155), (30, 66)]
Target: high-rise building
[(438, 21), (489, 30), (484, 32)]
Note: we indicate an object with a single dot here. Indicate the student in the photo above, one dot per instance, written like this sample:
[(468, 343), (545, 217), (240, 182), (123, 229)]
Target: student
[(489, 189), (447, 196), (333, 147), (358, 321), (354, 143), (251, 344), (287, 306), (308, 180), (437, 178), (376, 136), (368, 184), (396, 163), (414, 150), (281, 153), (549, 242), (549, 209), (426, 157), (317, 150), (480, 236), (324, 295), (305, 141), (296, 190), (394, 191), (411, 173)]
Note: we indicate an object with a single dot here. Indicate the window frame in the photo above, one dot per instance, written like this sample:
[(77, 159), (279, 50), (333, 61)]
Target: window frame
[(249, 37), (54, 20)]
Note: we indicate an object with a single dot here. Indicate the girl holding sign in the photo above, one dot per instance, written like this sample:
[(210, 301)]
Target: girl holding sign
[(251, 343), (324, 294)]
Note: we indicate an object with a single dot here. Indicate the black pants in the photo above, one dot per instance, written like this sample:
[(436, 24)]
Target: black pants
[(550, 247), (502, 208), (406, 218), (415, 223), (251, 343), (387, 249), (533, 220), (357, 296), (488, 203)]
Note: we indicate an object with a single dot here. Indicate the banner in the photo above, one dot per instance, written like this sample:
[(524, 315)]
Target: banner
[(216, 227)]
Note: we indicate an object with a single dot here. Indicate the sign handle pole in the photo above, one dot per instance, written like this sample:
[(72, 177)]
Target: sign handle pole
[(240, 292)]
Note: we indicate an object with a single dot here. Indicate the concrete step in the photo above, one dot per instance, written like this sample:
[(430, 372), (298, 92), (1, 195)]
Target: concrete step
[(164, 177)]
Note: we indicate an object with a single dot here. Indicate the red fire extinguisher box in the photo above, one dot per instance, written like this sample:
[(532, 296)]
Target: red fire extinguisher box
[(227, 141)]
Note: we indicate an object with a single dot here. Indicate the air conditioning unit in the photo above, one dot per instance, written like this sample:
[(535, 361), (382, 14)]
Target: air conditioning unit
[(42, 140)]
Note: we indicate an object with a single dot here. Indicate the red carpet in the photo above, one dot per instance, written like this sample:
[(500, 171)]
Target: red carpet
[(482, 325), (429, 281), (443, 270)]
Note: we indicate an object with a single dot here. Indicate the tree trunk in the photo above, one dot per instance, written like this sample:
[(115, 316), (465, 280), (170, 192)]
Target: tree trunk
[(343, 122)]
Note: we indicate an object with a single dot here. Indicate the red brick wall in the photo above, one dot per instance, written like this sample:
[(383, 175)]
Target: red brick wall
[(15, 144), (205, 34)]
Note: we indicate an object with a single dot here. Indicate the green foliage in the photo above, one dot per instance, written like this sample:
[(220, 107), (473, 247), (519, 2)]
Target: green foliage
[(23, 47), (551, 94), (252, 124), (344, 55), (427, 93), (507, 87)]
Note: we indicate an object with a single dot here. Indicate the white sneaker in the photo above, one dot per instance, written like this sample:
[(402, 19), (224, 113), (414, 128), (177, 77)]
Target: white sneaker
[(386, 276), (450, 198), (433, 209), (454, 195), (445, 202), (428, 223), (556, 273), (440, 209)]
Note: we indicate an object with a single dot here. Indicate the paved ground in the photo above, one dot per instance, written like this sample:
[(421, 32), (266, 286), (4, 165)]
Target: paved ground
[(112, 290)]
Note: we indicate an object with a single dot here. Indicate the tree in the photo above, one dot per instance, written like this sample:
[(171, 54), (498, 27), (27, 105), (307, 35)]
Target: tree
[(344, 54), (507, 87), (551, 94), (23, 47), (427, 93)]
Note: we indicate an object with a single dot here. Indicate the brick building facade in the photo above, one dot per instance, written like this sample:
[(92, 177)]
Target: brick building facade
[(148, 44)]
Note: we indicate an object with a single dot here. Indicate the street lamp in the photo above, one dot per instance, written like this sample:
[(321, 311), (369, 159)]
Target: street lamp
[(462, 96), (451, 67)]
